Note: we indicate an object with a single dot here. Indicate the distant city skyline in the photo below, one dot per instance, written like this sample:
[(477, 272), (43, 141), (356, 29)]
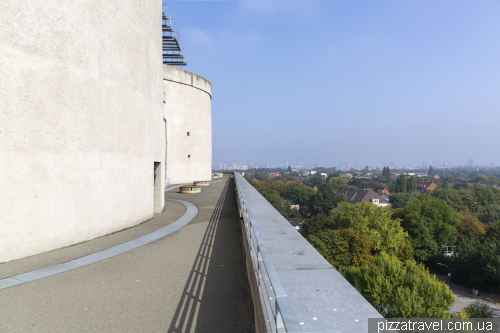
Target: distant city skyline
[(435, 165)]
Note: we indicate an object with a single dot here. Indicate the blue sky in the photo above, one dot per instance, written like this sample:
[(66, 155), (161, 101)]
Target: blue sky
[(358, 82)]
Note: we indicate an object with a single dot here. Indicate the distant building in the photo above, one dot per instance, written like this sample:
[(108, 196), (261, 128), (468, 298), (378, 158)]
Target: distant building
[(346, 175), (359, 195), (315, 188), (426, 186), (294, 205), (273, 175), (381, 190)]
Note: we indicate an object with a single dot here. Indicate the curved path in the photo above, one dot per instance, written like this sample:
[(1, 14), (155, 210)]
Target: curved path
[(193, 280), (189, 215)]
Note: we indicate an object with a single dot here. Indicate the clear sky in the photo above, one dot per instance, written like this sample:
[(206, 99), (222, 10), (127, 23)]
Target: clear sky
[(358, 82)]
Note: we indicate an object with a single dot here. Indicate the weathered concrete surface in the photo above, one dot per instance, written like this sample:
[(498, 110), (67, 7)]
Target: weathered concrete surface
[(187, 109), (81, 116), (193, 280), (321, 299)]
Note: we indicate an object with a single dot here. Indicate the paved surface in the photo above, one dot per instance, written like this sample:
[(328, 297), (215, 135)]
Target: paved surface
[(193, 280), (463, 296)]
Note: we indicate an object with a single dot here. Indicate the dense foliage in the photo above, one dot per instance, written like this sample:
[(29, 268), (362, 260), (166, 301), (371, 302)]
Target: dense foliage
[(377, 248), (401, 289), (478, 309)]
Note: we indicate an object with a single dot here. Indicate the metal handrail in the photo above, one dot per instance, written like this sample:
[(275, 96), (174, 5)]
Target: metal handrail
[(276, 307)]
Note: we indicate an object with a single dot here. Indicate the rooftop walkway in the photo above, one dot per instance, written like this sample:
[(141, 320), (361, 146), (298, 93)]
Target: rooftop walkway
[(192, 280)]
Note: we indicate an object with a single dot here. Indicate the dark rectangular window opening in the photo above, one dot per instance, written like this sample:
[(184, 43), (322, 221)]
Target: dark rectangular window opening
[(157, 188), (188, 133)]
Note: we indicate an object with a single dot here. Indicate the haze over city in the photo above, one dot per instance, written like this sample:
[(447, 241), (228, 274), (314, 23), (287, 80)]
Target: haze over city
[(354, 82)]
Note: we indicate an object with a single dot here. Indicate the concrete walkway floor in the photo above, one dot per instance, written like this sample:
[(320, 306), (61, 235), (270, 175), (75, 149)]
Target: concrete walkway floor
[(193, 280)]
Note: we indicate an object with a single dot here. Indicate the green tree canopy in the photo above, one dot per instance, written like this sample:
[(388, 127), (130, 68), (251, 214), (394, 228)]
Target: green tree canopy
[(385, 233), (315, 180), (299, 193), (471, 227), (400, 184), (430, 224), (338, 183), (343, 247), (262, 176), (411, 185), (357, 182), (477, 264), (325, 199), (490, 214), (400, 290), (399, 200)]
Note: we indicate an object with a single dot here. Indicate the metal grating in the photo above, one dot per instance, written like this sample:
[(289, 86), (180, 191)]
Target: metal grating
[(173, 53)]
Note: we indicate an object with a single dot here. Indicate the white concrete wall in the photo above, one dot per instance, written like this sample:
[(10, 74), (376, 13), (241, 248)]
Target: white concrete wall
[(187, 109), (81, 120)]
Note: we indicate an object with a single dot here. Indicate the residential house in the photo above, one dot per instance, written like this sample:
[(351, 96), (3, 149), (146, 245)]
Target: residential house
[(293, 205), (426, 186), (381, 190), (359, 195), (315, 188)]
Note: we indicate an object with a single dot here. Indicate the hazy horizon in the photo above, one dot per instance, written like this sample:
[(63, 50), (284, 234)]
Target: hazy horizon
[(355, 82)]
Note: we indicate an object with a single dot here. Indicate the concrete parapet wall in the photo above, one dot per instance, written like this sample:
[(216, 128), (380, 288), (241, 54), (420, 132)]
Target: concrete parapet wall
[(187, 99), (81, 117), (320, 298)]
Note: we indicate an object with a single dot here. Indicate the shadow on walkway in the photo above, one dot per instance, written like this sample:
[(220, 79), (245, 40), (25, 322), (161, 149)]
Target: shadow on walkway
[(216, 297)]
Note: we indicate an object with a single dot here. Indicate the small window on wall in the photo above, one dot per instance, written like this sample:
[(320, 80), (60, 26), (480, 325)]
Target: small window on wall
[(188, 133)]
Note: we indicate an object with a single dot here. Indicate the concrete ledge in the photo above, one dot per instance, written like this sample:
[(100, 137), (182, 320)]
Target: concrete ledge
[(182, 76), (320, 297)]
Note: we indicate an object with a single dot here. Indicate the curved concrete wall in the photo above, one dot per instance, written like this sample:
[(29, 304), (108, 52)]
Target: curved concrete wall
[(187, 98), (81, 117)]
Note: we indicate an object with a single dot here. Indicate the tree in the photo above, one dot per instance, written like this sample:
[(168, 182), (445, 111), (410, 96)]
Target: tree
[(338, 182), (262, 176), (299, 193), (399, 200), (401, 290), (315, 225), (431, 171), (358, 182), (478, 309), (325, 199), (385, 233), (316, 180), (343, 247), (386, 174), (471, 227), (289, 169), (280, 186), (375, 184), (411, 185), (477, 263), (431, 224), (401, 184)]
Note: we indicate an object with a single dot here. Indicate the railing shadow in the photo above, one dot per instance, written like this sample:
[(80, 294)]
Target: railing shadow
[(216, 297)]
